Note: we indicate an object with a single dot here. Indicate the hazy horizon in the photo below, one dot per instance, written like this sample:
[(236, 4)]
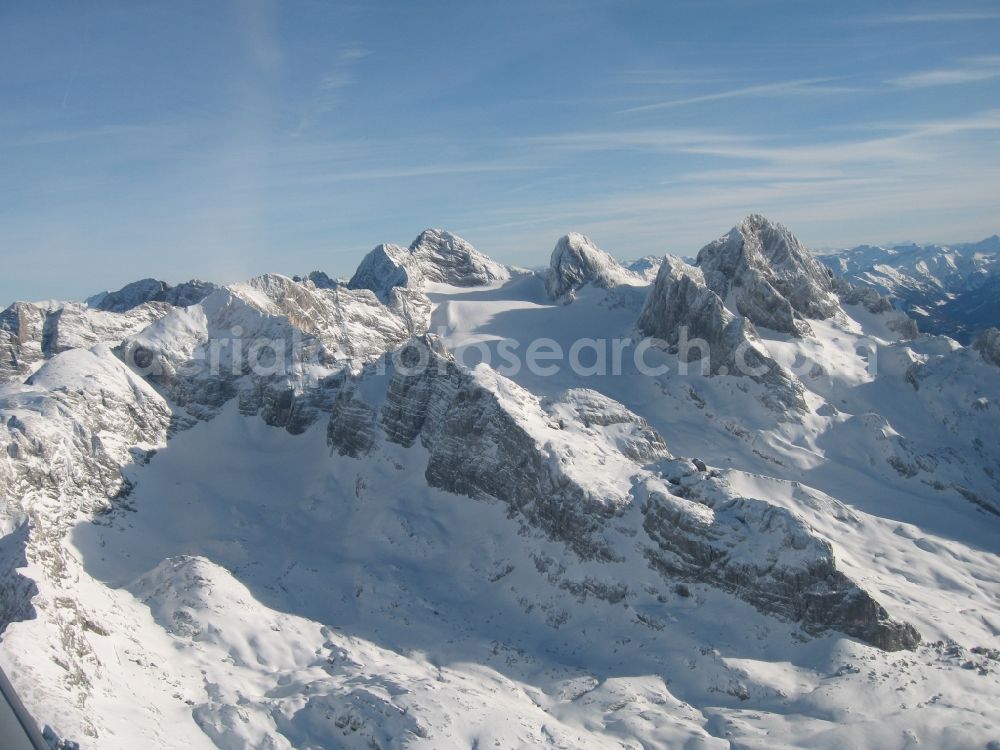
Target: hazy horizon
[(221, 142)]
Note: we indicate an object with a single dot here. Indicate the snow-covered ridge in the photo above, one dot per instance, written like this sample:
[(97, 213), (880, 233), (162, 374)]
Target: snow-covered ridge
[(32, 332), (277, 345)]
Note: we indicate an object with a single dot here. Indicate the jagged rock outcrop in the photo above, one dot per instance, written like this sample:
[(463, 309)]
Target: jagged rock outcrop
[(68, 431), (855, 294), (384, 268), (988, 346), (645, 267), (435, 256), (577, 261), (280, 346), (486, 436), (774, 280), (767, 556), (448, 259), (32, 332), (683, 311), (321, 280), (152, 290)]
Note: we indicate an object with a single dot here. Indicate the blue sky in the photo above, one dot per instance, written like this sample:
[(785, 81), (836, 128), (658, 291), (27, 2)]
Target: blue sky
[(224, 139)]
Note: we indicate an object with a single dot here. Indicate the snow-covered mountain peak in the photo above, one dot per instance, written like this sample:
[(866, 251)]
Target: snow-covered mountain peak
[(773, 279), (386, 266), (151, 290), (446, 258), (434, 256), (577, 261), (683, 311)]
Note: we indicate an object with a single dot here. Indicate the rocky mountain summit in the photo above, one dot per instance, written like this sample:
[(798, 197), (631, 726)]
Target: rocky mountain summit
[(577, 261), (775, 282), (151, 290), (797, 545), (434, 256), (682, 310)]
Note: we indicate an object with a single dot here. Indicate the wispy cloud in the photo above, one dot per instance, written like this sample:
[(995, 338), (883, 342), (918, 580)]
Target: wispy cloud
[(651, 139), (943, 17), (419, 170), (328, 94), (801, 87), (969, 70), (901, 142), (919, 169)]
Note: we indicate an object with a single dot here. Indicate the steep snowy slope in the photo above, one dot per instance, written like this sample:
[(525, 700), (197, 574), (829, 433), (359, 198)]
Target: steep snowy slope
[(532, 527)]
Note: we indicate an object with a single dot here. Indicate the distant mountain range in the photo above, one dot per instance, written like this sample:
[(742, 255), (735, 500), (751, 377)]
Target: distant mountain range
[(948, 289)]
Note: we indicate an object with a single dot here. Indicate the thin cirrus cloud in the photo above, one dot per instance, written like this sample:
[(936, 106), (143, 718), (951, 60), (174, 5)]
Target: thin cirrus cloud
[(969, 70), (917, 168), (801, 87), (943, 17)]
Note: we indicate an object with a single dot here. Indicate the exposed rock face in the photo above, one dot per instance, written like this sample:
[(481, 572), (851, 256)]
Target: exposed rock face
[(152, 290), (31, 332), (786, 570), (448, 259), (904, 325), (988, 346), (280, 346), (321, 280), (435, 256), (774, 280), (577, 261), (645, 267), (852, 294), (69, 430), (681, 308), (385, 267), (487, 437)]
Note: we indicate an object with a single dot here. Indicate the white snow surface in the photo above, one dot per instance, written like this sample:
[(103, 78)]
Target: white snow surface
[(234, 585)]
